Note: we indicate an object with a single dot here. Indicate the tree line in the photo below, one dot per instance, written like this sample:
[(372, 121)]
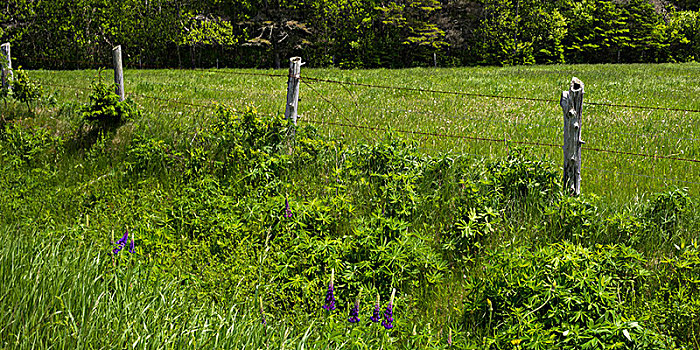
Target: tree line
[(350, 33)]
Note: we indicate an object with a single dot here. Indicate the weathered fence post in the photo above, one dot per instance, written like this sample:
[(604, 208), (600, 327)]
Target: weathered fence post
[(6, 65), (118, 73), (293, 89), (572, 104)]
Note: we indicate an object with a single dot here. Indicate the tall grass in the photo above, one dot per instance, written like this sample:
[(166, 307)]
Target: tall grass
[(59, 292)]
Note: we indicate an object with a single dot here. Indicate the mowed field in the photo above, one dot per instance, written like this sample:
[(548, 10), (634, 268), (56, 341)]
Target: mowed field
[(519, 108)]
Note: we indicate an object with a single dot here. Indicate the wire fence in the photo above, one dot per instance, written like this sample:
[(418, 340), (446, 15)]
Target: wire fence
[(506, 140)]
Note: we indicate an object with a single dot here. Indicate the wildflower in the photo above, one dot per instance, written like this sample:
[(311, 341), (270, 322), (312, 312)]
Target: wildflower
[(262, 313), (131, 246), (449, 338), (330, 299), (377, 310), (287, 212), (121, 243), (388, 322), (355, 311)]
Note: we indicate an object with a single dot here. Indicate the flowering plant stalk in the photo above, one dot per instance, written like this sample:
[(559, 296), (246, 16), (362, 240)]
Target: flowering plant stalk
[(388, 322), (376, 313), (330, 298), (262, 312), (121, 243), (355, 311), (287, 212)]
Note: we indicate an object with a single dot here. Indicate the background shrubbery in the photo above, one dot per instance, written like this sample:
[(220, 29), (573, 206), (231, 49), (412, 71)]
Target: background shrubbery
[(350, 33)]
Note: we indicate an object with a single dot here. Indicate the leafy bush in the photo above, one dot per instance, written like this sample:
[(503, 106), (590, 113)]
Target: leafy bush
[(520, 177), (25, 89), (667, 210), (105, 109), (573, 218), (562, 296), (677, 294)]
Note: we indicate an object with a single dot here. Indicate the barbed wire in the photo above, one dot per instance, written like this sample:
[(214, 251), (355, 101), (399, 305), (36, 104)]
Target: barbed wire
[(432, 134), (459, 93), (641, 175), (645, 155), (491, 120), (197, 88), (471, 94)]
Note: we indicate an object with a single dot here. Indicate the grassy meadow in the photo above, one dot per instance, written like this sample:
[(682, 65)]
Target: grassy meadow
[(664, 133), (238, 230)]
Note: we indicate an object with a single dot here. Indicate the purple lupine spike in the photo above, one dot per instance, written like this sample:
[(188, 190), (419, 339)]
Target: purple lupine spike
[(355, 311), (388, 322), (121, 242), (287, 212), (330, 298), (376, 314)]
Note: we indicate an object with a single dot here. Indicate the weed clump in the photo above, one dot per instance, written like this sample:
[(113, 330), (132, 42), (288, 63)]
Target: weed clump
[(105, 108), (562, 296), (25, 89)]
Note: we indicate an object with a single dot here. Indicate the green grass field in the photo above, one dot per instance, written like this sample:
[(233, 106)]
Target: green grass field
[(662, 133), (232, 224)]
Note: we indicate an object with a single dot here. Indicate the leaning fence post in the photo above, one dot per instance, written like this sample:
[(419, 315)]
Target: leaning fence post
[(118, 73), (572, 105), (6, 65), (293, 89)]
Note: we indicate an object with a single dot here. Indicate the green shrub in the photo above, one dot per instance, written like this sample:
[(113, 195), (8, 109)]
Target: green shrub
[(667, 210), (677, 294), (105, 109), (520, 177), (24, 89), (562, 296), (573, 218)]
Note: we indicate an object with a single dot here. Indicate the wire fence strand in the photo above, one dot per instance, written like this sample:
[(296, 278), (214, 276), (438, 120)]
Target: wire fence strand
[(431, 134)]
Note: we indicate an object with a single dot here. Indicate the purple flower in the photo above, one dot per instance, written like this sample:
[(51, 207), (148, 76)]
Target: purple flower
[(287, 212), (376, 314), (131, 246), (388, 317), (354, 313), (388, 322), (121, 243), (330, 299)]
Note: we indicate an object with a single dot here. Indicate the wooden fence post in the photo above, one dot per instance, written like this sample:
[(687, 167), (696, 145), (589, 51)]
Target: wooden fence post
[(118, 72), (293, 89), (6, 65), (572, 105)]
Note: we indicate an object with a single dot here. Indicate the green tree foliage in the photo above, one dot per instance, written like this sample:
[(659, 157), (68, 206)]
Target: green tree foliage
[(350, 33), (411, 23), (522, 32)]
